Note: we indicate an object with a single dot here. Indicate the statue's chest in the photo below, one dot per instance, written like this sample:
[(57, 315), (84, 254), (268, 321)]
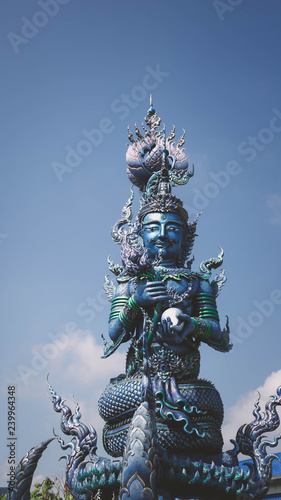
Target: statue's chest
[(181, 291)]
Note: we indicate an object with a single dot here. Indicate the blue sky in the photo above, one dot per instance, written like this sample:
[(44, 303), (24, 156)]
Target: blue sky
[(70, 67)]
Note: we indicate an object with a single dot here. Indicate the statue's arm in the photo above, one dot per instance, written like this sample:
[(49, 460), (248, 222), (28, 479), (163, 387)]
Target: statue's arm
[(206, 319), (124, 314)]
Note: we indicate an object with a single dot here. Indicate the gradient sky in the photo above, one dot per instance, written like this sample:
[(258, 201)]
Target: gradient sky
[(73, 66)]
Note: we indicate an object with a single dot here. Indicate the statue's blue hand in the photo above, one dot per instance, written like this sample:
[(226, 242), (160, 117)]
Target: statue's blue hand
[(188, 328), (149, 293), (166, 329), (175, 334)]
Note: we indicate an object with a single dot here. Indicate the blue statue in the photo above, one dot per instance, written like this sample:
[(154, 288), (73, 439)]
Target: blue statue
[(157, 287), (163, 423)]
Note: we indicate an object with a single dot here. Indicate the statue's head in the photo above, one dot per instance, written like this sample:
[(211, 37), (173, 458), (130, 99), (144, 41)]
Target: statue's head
[(164, 229), (162, 236)]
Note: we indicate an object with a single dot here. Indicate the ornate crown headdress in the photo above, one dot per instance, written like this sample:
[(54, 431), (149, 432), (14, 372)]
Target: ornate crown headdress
[(155, 164)]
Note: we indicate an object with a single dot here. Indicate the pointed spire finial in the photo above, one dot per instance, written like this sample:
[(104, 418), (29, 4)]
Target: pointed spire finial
[(151, 110), (164, 184), (164, 148)]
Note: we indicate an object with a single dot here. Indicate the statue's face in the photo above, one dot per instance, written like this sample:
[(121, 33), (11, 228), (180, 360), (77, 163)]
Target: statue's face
[(162, 236)]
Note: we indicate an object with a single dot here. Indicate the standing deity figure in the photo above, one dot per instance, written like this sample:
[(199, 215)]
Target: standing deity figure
[(158, 296)]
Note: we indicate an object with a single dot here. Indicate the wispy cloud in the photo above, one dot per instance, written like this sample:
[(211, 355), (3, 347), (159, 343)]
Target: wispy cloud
[(274, 206), (242, 412), (83, 356), (75, 357)]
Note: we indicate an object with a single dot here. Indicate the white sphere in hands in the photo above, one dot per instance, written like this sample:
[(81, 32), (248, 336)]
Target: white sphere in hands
[(173, 314)]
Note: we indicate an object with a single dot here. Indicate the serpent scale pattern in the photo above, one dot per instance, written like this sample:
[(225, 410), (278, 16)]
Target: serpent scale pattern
[(119, 400), (173, 440)]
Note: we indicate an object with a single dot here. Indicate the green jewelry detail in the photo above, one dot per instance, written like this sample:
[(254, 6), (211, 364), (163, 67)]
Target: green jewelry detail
[(133, 305), (119, 301), (146, 275), (129, 314), (126, 322), (205, 306), (209, 316), (113, 315), (196, 326), (116, 306), (204, 329)]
